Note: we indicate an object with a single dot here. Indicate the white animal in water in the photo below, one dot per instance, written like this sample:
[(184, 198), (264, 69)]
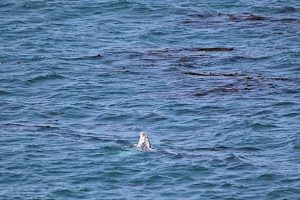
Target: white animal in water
[(144, 143)]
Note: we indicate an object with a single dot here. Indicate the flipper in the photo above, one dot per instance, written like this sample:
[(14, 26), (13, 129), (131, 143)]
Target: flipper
[(144, 143)]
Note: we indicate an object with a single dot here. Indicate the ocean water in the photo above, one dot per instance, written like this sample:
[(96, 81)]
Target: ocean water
[(215, 84)]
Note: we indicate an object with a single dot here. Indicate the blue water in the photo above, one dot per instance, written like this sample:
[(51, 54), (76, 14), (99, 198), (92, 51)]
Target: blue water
[(80, 79)]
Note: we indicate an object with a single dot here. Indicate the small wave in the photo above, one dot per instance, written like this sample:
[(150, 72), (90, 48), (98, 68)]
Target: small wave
[(206, 14), (241, 166), (198, 168), (224, 149), (66, 193), (245, 58), (2, 92), (34, 4), (158, 178), (6, 4), (46, 78), (248, 148), (211, 49), (287, 9), (292, 114), (90, 57), (153, 117), (285, 103), (246, 17), (259, 126), (238, 162), (280, 193), (233, 157), (268, 177), (29, 125), (218, 90), (296, 143), (289, 20), (264, 112)]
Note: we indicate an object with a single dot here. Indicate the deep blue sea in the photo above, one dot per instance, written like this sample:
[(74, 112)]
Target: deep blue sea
[(215, 84)]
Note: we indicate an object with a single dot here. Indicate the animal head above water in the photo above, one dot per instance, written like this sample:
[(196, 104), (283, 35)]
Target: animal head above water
[(144, 143)]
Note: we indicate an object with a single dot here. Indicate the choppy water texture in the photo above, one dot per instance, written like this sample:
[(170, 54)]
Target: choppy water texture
[(215, 84)]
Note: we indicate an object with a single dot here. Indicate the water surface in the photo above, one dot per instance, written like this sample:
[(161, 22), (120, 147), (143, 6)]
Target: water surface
[(215, 84)]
